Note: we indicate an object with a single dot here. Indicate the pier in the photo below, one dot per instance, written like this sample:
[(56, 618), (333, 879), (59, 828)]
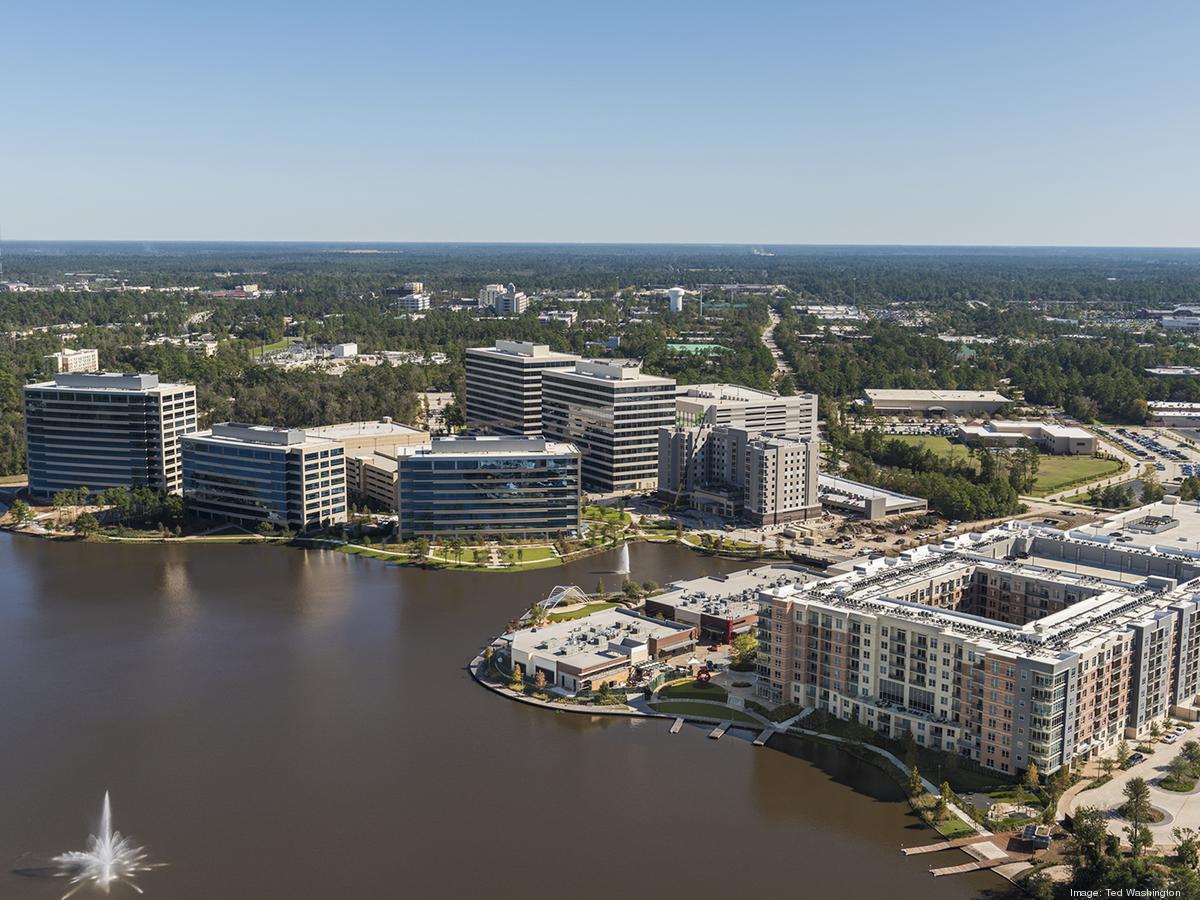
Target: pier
[(719, 732)]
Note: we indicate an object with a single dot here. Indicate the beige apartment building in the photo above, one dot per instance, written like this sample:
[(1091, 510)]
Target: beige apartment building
[(1023, 644)]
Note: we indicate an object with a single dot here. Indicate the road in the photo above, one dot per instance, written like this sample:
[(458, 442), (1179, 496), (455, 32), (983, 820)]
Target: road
[(768, 339), (1183, 810)]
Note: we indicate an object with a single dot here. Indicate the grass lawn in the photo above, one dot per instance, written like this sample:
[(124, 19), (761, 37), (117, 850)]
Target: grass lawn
[(581, 612), (281, 344), (935, 442), (954, 827), (709, 710), (1058, 472), (688, 689), (13, 479), (606, 514), (527, 554)]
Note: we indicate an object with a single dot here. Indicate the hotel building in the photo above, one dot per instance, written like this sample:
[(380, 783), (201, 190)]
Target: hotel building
[(519, 487), (106, 430), (732, 472), (612, 411), (1022, 644), (250, 474), (504, 386)]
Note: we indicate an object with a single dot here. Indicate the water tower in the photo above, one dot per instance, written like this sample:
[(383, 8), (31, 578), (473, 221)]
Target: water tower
[(675, 298)]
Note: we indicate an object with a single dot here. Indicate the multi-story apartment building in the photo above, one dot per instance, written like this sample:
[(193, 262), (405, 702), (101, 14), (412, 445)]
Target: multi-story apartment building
[(106, 430), (730, 472), (1023, 644), (743, 407), (251, 474), (612, 411), (68, 360), (504, 386), (520, 487)]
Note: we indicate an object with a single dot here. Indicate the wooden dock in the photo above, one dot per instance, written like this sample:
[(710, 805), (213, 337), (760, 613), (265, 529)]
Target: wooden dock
[(676, 725), (762, 739), (973, 866), (945, 845), (720, 730)]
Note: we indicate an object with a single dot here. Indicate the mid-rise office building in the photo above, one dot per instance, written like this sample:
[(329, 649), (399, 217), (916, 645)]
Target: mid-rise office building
[(413, 303), (519, 487), (612, 411), (743, 407), (103, 430), (504, 386), (734, 472), (68, 360), (506, 301), (254, 474), (1024, 644)]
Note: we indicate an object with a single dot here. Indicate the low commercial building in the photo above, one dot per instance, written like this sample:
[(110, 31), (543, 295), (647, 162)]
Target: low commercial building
[(1174, 414), (105, 430), (68, 360), (892, 402), (1024, 644), (602, 648), (721, 607), (1050, 436), (743, 407), (504, 386), (378, 436), (612, 411), (865, 500), (467, 487), (1173, 371), (735, 472), (253, 474)]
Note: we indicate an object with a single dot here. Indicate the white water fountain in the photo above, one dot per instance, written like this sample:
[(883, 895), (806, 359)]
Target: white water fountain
[(109, 859), (623, 560)]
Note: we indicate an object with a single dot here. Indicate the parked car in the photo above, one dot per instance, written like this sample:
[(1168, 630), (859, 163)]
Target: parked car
[(1136, 758)]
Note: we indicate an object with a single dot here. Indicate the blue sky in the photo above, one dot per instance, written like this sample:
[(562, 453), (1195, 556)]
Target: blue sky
[(851, 122)]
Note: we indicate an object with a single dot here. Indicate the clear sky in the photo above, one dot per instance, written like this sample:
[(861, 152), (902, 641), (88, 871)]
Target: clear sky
[(963, 122)]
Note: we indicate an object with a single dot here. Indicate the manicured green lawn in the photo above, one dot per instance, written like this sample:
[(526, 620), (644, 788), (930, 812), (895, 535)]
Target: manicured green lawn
[(1057, 472), (281, 344), (688, 689), (935, 442), (709, 710), (954, 827), (527, 554), (606, 514), (581, 612)]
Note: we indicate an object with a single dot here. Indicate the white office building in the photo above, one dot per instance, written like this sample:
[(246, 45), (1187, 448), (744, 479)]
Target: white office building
[(612, 411), (68, 360), (743, 407), (504, 386)]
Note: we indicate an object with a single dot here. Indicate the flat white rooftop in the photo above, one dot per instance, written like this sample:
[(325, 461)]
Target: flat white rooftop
[(731, 596), (376, 428), (951, 396), (107, 381)]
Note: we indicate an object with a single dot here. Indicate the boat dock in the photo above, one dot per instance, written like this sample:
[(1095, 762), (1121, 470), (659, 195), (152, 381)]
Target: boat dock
[(762, 739), (720, 730), (678, 723)]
